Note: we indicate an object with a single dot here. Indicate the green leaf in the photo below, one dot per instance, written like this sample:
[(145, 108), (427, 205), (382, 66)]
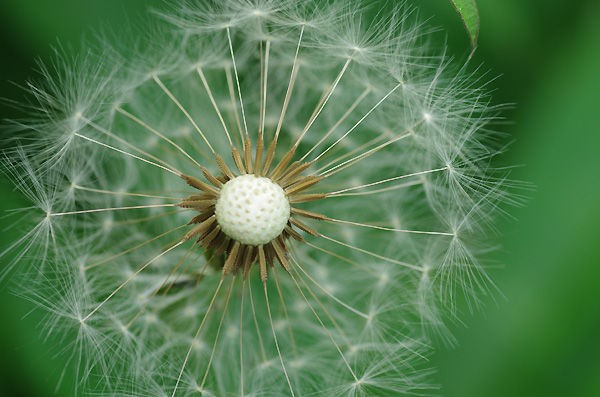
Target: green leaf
[(467, 9)]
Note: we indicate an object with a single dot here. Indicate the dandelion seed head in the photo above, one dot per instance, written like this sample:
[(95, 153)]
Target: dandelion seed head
[(266, 198)]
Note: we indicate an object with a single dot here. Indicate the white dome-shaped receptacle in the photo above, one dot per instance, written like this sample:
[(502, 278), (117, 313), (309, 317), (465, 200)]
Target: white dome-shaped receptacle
[(252, 210)]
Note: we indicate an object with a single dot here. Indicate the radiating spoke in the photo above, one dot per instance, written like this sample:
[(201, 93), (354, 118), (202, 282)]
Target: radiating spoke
[(130, 221), (128, 144), (178, 173), (390, 229), (175, 268), (183, 110), (135, 207), (287, 378), (357, 149), (376, 191), (342, 258), (334, 322), (197, 275), (214, 348), (234, 107), (290, 86), (135, 247), (315, 282), (157, 133), (327, 331), (397, 262), (214, 103), (237, 81), (243, 294), (128, 280), (339, 192), (285, 312), (189, 352), (257, 328), (122, 193), (340, 121), (322, 104), (264, 85), (348, 163), (359, 122)]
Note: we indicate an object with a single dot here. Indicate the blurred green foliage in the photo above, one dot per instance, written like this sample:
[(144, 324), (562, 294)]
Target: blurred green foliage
[(542, 339), (467, 9)]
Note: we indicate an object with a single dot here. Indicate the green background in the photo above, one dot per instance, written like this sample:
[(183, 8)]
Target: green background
[(543, 338)]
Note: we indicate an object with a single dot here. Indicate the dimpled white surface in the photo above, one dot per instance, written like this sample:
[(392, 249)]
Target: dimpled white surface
[(252, 210)]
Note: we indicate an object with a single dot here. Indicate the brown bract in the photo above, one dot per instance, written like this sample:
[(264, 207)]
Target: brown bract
[(287, 174)]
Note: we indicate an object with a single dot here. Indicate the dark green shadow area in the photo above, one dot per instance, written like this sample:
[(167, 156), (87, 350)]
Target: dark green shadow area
[(542, 340)]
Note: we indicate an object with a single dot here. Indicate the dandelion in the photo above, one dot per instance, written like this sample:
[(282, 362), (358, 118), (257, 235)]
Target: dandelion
[(269, 198)]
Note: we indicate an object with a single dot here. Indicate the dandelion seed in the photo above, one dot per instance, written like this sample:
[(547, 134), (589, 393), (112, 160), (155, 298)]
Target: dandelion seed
[(278, 199)]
